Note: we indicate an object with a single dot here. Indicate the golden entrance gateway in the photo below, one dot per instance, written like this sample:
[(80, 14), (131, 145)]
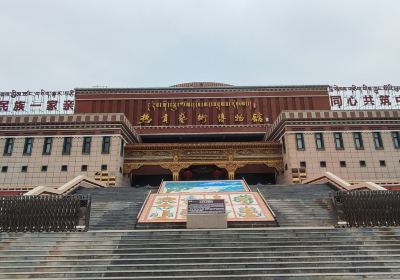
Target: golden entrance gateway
[(197, 161)]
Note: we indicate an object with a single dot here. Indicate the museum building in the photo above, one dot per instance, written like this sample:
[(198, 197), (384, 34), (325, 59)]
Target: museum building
[(195, 131)]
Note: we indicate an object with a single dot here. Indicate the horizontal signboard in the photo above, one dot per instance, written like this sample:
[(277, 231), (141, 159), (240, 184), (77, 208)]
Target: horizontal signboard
[(37, 102), (364, 97)]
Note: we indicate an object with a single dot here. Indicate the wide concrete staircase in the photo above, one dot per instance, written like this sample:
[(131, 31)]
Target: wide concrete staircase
[(294, 205), (299, 205), (115, 208), (274, 253)]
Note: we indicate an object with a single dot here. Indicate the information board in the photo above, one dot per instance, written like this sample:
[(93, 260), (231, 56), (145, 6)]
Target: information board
[(206, 206)]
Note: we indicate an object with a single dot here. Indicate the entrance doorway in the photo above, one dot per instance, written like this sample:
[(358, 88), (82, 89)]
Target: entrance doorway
[(149, 175), (257, 174), (203, 172)]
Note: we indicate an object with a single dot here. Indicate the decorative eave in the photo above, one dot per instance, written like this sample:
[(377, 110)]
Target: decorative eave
[(203, 145), (192, 88), (332, 120), (66, 124)]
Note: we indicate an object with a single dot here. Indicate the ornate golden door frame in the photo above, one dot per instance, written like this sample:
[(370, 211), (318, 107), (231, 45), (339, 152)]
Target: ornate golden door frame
[(230, 156)]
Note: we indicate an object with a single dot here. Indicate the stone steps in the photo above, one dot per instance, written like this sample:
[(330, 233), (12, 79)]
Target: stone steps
[(313, 253), (299, 205), (115, 208)]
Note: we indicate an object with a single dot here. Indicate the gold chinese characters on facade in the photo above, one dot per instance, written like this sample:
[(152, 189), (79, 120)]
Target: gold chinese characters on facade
[(256, 118), (200, 118)]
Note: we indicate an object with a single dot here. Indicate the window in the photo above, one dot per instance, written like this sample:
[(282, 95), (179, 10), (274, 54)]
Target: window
[(24, 168), (86, 145), (300, 141), (342, 163), (44, 168), (283, 145), (48, 141), (358, 141), (377, 140), (396, 139), (84, 167), (105, 147), (4, 169), (322, 164), (338, 141), (104, 167), (64, 167), (286, 168), (67, 146), (382, 163), (319, 141), (28, 146), (8, 147), (363, 163), (121, 152), (302, 164)]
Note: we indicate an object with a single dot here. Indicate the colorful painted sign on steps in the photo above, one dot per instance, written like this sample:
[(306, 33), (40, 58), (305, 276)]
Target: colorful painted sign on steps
[(203, 186), (172, 207)]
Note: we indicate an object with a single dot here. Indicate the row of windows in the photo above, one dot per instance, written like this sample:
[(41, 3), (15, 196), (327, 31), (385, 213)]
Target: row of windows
[(67, 146), (44, 168), (343, 163), (338, 139)]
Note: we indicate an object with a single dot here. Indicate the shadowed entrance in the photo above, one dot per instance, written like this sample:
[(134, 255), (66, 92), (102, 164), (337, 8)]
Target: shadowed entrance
[(203, 172), (257, 174), (151, 175)]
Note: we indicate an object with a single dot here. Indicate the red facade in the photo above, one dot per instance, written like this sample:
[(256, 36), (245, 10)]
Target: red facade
[(201, 109)]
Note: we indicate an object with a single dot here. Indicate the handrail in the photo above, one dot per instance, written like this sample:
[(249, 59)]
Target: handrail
[(343, 184), (67, 188)]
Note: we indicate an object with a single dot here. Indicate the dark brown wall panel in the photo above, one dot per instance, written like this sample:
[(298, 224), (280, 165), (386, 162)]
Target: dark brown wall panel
[(134, 103)]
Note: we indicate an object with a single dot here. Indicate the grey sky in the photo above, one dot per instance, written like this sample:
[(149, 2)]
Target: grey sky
[(53, 44)]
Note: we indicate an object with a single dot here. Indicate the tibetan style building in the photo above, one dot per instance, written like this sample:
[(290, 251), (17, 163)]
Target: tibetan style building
[(194, 131)]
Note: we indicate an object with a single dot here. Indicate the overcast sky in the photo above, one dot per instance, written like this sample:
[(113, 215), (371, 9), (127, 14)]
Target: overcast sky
[(57, 45)]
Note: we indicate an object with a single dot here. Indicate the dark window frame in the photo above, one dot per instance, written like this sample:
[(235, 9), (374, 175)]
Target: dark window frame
[(86, 147), (28, 146), (67, 146), (340, 139), (320, 140), (358, 141), (382, 163), (283, 145), (300, 140), (8, 146), (24, 168), (103, 167), (342, 163), (121, 152), (4, 169), (363, 163), (106, 145), (84, 167), (64, 168), (322, 164), (47, 145), (378, 143), (396, 139)]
